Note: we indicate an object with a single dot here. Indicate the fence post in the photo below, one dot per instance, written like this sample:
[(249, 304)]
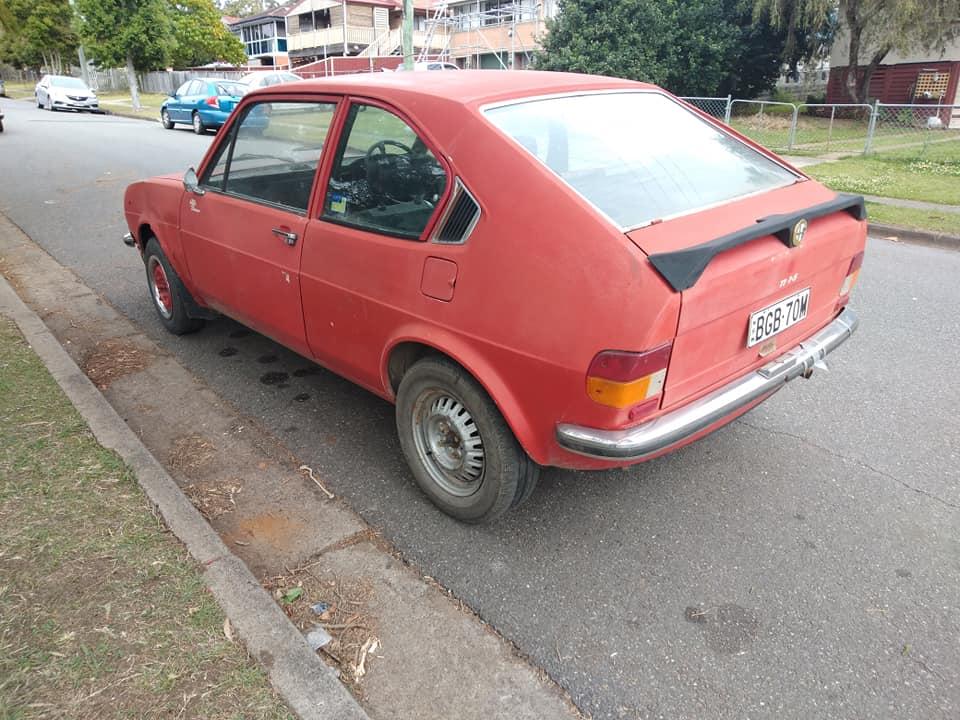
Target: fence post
[(793, 128), (726, 112), (871, 128)]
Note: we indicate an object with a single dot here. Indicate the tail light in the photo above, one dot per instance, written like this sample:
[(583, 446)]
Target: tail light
[(622, 379), (213, 101), (851, 279)]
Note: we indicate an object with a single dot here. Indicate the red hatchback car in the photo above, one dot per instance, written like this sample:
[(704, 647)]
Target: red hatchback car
[(538, 269)]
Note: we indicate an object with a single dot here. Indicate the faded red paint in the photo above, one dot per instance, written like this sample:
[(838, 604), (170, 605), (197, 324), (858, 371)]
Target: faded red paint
[(544, 283)]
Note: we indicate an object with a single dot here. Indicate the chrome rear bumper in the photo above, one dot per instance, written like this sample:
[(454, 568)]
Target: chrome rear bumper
[(639, 442)]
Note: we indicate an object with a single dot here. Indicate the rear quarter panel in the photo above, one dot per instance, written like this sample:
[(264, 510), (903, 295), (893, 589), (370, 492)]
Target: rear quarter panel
[(544, 283)]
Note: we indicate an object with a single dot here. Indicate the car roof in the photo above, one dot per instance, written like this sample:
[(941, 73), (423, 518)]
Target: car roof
[(465, 87)]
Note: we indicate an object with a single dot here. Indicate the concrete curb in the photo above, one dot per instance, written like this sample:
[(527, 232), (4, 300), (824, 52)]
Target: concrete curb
[(308, 686), (924, 237)]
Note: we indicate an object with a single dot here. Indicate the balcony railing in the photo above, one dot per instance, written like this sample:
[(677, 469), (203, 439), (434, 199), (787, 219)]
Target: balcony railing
[(383, 44), (331, 36)]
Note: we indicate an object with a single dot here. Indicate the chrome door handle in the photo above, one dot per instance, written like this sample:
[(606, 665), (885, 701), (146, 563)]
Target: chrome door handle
[(290, 238)]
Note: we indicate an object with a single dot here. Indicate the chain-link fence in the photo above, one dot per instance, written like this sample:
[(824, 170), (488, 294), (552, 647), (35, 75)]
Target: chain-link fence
[(717, 107), (817, 129)]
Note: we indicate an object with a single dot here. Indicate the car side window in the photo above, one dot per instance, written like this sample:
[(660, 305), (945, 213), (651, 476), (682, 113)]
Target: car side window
[(384, 177), (272, 153), (182, 90), (195, 88)]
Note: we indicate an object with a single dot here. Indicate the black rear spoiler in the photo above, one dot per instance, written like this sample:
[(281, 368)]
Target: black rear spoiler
[(682, 268)]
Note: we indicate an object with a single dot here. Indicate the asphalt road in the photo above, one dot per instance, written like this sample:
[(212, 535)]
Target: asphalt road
[(804, 562)]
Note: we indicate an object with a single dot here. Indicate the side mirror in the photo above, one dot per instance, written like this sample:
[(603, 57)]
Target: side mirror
[(191, 183)]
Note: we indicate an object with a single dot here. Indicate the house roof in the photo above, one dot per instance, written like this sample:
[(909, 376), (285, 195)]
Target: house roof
[(280, 11)]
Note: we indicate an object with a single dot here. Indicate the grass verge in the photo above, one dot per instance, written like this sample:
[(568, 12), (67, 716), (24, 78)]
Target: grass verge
[(118, 103), (103, 614), (898, 174), (944, 222)]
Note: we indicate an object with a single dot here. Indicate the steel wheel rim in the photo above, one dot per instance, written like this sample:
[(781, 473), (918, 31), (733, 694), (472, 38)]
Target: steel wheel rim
[(448, 442), (196, 122), (160, 287), (164, 117)]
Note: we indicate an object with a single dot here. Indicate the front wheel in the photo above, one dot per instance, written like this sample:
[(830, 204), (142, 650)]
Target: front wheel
[(167, 292), (165, 119), (198, 127), (459, 448)]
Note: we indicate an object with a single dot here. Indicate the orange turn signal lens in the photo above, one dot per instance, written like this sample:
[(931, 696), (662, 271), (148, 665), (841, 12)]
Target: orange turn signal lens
[(624, 394)]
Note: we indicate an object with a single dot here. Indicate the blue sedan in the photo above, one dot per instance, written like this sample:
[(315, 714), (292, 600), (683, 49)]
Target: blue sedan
[(204, 103)]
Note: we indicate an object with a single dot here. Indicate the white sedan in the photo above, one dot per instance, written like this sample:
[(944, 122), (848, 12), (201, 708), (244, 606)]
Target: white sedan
[(62, 92)]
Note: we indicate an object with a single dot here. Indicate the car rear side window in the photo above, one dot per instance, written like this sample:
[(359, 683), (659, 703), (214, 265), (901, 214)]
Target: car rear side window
[(638, 156), (272, 153), (384, 177)]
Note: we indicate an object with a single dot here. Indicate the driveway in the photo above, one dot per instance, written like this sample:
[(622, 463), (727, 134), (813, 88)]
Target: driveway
[(803, 562)]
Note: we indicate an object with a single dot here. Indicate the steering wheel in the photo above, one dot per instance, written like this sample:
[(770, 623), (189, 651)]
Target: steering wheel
[(381, 167), (381, 148)]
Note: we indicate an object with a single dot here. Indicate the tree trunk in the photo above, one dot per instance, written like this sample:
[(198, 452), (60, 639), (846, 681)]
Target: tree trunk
[(853, 56), (132, 81), (864, 88)]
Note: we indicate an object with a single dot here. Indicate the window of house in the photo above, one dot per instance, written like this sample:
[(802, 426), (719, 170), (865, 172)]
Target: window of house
[(272, 153), (384, 177)]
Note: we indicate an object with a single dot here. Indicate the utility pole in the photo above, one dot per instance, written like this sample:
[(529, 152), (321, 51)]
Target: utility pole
[(408, 34)]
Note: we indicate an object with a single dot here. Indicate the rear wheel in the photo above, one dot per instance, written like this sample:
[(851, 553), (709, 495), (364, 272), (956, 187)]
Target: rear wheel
[(459, 448), (165, 119), (167, 292), (198, 127)]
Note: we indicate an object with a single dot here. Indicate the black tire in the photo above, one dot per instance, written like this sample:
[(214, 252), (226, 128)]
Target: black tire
[(198, 127), (39, 104), (1, 125), (438, 399), (171, 304), (165, 119)]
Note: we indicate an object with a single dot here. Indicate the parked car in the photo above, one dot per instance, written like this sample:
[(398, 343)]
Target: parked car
[(538, 269), (256, 80), (62, 92), (432, 65), (203, 103)]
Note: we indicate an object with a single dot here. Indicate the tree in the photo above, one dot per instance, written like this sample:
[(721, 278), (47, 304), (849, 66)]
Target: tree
[(136, 34), (7, 22), (201, 37), (691, 47), (44, 35), (244, 8), (871, 29)]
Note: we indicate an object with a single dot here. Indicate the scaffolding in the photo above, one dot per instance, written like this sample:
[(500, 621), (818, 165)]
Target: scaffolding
[(475, 22)]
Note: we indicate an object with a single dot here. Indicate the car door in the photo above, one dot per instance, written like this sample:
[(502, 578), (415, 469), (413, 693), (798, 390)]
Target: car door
[(365, 264), (243, 235), (175, 103)]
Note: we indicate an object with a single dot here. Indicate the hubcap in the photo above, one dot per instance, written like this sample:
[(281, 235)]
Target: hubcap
[(160, 287), (448, 443), (196, 123)]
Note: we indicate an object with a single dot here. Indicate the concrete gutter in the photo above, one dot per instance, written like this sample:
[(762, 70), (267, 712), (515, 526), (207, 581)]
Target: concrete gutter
[(921, 237), (307, 685)]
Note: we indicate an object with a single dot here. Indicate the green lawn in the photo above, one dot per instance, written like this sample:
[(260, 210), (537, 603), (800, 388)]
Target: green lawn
[(898, 174), (945, 222), (103, 614)]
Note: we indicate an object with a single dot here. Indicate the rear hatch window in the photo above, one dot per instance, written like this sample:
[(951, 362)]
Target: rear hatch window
[(638, 156)]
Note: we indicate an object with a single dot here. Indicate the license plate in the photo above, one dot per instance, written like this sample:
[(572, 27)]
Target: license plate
[(778, 317)]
